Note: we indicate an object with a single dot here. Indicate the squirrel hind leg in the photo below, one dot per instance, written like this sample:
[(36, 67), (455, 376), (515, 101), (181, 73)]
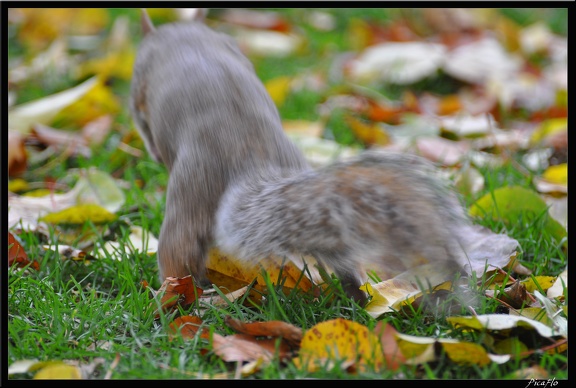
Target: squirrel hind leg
[(351, 286), (349, 275)]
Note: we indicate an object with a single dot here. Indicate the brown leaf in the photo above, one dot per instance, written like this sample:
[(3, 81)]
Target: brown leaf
[(444, 151), (392, 353), (515, 295), (16, 253), (279, 347), (17, 159), (179, 291), (70, 143), (95, 131), (256, 19), (284, 330), (368, 133), (189, 327), (233, 348)]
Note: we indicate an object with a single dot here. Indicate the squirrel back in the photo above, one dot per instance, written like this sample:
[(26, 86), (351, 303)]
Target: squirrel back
[(378, 207)]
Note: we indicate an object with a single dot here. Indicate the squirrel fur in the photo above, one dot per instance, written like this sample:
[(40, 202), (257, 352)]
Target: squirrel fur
[(237, 181)]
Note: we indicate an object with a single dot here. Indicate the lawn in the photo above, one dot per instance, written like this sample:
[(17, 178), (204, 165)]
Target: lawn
[(83, 295)]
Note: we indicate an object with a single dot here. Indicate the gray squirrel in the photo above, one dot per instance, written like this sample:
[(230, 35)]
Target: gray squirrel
[(237, 181)]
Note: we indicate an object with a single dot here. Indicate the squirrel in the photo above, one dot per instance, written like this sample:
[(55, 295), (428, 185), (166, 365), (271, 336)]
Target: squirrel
[(237, 181)]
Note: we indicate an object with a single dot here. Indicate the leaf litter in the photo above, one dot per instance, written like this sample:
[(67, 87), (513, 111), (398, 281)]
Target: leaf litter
[(472, 128)]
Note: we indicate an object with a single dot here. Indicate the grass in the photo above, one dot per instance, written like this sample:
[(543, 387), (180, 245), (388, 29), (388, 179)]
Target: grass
[(91, 312)]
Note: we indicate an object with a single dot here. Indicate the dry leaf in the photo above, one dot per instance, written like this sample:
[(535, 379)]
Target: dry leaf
[(279, 329), (237, 349), (17, 254), (340, 340), (398, 63), (17, 159), (178, 291), (188, 327), (23, 116)]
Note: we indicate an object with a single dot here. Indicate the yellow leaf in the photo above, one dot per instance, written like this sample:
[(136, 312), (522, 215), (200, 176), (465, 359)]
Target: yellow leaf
[(535, 313), (512, 203), (369, 134), (244, 272), (547, 128), (419, 350), (359, 34), (43, 111), (557, 173), (59, 371), (386, 294), (117, 64), (41, 26), (339, 340), (510, 345), (278, 88), (231, 266), (544, 282), (100, 100), (38, 193), (501, 323), (466, 353), (17, 185), (80, 214)]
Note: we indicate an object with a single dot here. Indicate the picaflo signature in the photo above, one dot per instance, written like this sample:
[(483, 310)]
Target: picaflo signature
[(542, 383)]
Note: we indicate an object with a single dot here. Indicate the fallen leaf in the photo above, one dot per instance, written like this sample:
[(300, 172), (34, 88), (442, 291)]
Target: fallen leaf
[(93, 186), (538, 283), (393, 356), (480, 61), (118, 63), (43, 111), (513, 203), (139, 240), (17, 254), (58, 371), (17, 158), (535, 372), (559, 323), (339, 340), (557, 174), (178, 291), (501, 322), (80, 214), (67, 252), (468, 125), (18, 185), (561, 283), (68, 142), (278, 329), (257, 19), (371, 134), (443, 151), (278, 89), (515, 295), (548, 128), (237, 349), (468, 181), (386, 293), (53, 370), (98, 101), (398, 63), (267, 42), (188, 326), (419, 350)]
